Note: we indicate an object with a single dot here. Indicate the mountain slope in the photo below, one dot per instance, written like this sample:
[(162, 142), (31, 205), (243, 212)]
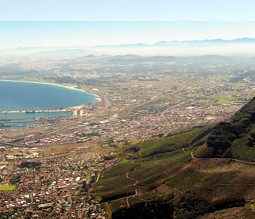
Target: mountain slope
[(189, 174), (235, 138)]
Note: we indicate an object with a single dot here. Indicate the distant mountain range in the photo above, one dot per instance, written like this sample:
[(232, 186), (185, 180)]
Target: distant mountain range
[(210, 41), (244, 40), (239, 46)]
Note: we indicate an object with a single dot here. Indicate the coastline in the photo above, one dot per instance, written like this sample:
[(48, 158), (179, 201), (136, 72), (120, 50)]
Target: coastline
[(71, 87)]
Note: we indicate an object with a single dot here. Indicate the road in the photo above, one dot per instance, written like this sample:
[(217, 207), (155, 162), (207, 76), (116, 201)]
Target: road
[(232, 159)]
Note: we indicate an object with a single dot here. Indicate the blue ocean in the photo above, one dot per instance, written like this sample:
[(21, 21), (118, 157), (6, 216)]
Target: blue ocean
[(25, 96), (35, 96)]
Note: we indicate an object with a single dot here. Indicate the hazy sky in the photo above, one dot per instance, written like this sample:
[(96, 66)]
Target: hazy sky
[(135, 10), (67, 34), (101, 21)]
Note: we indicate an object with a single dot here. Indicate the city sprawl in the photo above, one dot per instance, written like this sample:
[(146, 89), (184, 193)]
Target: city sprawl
[(47, 171)]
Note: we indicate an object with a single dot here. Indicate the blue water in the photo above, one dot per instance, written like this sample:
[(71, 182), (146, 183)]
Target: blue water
[(23, 120), (22, 96), (34, 96)]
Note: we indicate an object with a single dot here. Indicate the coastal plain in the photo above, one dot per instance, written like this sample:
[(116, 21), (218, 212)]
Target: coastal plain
[(58, 170)]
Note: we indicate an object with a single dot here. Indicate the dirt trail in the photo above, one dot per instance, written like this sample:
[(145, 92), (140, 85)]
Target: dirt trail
[(136, 181), (252, 207), (136, 190), (166, 168)]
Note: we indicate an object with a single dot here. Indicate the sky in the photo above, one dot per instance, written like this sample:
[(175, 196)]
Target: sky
[(68, 23), (127, 10), (91, 33)]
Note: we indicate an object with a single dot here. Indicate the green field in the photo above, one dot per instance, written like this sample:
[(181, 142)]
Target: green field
[(7, 187), (225, 101)]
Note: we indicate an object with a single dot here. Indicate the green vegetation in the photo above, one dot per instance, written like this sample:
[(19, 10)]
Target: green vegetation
[(145, 166), (222, 100), (235, 137), (176, 141), (185, 171), (7, 187)]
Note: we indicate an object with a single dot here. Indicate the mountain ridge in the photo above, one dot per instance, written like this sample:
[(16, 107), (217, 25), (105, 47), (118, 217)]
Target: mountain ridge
[(240, 129), (245, 40)]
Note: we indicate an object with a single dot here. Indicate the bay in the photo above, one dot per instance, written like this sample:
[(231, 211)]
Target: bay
[(19, 99), (17, 96)]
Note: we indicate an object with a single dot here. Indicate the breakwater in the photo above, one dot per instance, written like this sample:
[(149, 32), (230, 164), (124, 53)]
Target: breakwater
[(24, 119)]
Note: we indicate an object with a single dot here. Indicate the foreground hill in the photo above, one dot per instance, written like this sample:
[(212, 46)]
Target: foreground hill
[(203, 172), (236, 137)]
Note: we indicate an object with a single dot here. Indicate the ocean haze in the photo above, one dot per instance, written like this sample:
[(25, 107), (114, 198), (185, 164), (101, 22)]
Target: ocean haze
[(235, 47)]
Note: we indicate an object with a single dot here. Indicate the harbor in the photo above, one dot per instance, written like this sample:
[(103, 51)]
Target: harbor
[(31, 118)]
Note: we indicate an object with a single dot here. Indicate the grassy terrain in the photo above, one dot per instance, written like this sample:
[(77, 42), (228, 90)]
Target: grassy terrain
[(230, 213), (222, 100), (7, 187), (165, 169), (191, 172), (235, 137), (145, 166)]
